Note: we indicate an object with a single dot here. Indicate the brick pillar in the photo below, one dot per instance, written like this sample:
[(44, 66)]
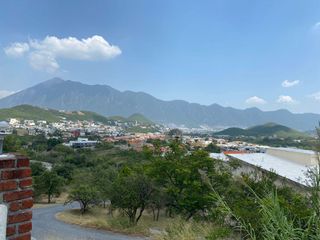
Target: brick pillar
[(16, 192)]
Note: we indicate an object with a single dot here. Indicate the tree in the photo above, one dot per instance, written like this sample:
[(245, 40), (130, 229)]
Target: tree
[(39, 143), (175, 134), (104, 176), (83, 190), (179, 174), (158, 201), (37, 168), (49, 183), (64, 170), (212, 148), (11, 143), (131, 193), (84, 195), (52, 142)]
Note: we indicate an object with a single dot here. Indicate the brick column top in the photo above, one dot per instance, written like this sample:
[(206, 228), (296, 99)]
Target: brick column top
[(16, 193), (7, 156)]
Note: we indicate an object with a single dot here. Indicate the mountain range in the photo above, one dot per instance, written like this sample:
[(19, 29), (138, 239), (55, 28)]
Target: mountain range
[(105, 100)]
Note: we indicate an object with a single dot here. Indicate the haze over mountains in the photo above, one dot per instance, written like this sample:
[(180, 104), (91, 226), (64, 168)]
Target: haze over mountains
[(70, 95)]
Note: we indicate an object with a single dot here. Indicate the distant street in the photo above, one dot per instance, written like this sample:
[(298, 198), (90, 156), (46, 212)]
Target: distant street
[(47, 227)]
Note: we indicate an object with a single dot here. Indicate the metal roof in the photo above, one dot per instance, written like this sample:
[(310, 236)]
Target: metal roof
[(297, 150), (285, 168)]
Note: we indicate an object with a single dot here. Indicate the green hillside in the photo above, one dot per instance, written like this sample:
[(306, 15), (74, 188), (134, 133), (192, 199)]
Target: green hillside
[(29, 112), (266, 130), (234, 131), (139, 118)]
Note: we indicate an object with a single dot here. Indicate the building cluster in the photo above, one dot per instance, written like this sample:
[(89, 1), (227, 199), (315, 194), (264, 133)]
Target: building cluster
[(65, 127), (113, 131), (82, 143), (138, 140), (223, 144), (74, 129), (239, 146)]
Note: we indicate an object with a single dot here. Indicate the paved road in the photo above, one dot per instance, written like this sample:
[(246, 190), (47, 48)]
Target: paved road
[(47, 227)]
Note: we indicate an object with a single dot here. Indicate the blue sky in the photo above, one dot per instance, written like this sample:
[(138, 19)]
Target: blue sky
[(239, 53)]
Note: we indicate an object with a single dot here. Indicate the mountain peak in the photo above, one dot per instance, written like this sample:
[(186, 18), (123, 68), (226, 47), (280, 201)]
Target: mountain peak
[(270, 124), (53, 81)]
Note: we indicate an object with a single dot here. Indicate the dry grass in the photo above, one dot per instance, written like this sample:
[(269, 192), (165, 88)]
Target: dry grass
[(100, 219), (191, 230), (55, 200), (164, 229), (42, 202)]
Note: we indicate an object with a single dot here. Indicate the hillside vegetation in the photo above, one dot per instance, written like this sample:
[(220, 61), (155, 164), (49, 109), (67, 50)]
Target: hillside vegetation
[(29, 112), (137, 117), (266, 130)]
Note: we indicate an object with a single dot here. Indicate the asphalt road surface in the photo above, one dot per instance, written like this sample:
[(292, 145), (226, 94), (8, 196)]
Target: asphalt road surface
[(47, 227)]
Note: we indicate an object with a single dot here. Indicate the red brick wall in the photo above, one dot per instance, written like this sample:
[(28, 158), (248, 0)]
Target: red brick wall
[(16, 192)]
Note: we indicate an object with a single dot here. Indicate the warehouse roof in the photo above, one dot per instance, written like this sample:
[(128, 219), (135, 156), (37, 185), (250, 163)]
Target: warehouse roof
[(285, 168)]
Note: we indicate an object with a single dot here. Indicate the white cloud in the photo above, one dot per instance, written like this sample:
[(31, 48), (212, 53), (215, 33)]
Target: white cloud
[(255, 101), (44, 54), (286, 99), (16, 49), (315, 96), (287, 83), (43, 61), (5, 93)]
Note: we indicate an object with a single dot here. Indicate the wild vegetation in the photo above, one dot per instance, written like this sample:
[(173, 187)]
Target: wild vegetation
[(195, 195)]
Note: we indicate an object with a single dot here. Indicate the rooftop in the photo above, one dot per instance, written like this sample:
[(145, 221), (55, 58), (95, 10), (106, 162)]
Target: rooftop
[(285, 168), (297, 150)]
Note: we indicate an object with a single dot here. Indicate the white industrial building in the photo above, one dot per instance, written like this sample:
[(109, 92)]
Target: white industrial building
[(299, 156), (81, 143), (288, 163)]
